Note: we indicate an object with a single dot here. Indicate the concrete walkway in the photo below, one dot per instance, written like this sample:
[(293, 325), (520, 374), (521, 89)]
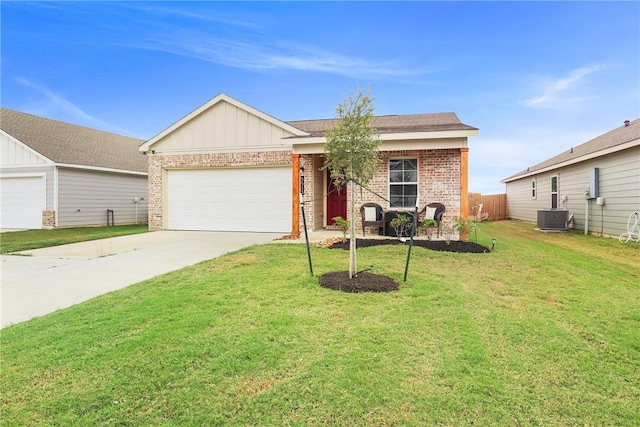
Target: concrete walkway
[(54, 278)]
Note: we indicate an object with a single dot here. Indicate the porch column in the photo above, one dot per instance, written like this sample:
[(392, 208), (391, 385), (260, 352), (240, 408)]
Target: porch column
[(464, 189), (295, 195)]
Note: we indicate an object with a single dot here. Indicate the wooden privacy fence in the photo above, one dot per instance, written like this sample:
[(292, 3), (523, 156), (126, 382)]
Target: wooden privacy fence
[(494, 206)]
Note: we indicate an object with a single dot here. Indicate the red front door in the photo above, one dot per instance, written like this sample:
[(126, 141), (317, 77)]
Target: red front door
[(336, 201)]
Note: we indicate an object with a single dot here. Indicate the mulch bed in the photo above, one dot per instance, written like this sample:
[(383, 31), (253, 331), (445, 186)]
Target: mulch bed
[(434, 245), (363, 282), (369, 282)]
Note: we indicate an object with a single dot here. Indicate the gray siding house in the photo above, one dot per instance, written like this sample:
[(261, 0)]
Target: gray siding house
[(597, 182), (56, 174)]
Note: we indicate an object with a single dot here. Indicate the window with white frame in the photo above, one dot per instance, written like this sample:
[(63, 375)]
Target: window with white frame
[(403, 182), (533, 188), (554, 192)]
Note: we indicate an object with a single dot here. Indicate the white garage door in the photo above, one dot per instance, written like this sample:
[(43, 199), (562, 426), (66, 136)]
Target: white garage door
[(248, 199), (22, 202)]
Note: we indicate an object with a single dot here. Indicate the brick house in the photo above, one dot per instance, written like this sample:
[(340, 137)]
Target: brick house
[(227, 166)]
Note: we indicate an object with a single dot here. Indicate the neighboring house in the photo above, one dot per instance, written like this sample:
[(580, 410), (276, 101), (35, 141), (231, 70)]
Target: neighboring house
[(597, 182), (55, 174), (229, 167)]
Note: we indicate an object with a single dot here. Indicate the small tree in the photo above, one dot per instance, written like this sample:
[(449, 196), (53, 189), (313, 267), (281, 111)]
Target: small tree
[(466, 226), (427, 225), (351, 153), (400, 224), (344, 226)]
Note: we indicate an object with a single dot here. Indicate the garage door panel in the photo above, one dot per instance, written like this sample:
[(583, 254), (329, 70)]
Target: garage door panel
[(249, 199), (22, 202)]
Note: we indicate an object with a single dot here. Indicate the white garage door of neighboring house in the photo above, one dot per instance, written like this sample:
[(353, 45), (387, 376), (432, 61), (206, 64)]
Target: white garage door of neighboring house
[(247, 199), (22, 202)]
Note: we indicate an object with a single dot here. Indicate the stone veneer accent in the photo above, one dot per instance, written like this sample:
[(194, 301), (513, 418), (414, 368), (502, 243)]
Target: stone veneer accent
[(48, 219), (158, 163)]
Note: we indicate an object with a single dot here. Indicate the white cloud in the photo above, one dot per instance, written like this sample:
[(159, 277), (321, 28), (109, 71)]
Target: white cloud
[(564, 91), (265, 55), (222, 38), (216, 17), (57, 103)]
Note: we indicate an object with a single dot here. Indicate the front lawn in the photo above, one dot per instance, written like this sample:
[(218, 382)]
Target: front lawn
[(543, 331), (16, 241)]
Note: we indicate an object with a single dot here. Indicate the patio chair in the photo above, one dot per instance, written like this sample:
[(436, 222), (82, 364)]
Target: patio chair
[(372, 216), (434, 211)]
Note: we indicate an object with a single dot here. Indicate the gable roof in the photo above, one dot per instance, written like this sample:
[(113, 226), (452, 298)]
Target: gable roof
[(221, 97), (392, 124), (69, 144), (618, 139)]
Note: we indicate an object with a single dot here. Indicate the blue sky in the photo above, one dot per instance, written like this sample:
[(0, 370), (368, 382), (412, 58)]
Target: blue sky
[(535, 77)]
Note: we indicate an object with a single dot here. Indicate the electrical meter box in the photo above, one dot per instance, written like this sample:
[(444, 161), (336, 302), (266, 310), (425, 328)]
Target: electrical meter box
[(594, 183)]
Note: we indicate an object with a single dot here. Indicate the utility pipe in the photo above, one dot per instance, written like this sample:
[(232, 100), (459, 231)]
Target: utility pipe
[(586, 217)]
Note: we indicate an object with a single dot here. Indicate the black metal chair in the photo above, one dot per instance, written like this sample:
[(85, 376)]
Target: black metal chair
[(372, 216), (434, 211)]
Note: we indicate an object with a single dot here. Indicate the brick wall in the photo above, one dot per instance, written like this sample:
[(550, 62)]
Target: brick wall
[(158, 164), (48, 219), (438, 181), (438, 174)]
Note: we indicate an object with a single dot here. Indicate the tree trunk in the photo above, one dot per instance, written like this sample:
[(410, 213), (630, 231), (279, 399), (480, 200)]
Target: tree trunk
[(352, 241)]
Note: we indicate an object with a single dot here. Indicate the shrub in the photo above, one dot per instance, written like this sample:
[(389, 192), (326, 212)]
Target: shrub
[(343, 225), (400, 224)]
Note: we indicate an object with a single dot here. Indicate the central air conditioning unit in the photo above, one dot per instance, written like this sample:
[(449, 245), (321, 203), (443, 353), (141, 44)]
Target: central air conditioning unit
[(553, 219)]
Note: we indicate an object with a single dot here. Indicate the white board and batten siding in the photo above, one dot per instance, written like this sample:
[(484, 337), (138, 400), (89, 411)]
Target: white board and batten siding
[(15, 153), (619, 182), (224, 127), (252, 199), (85, 195)]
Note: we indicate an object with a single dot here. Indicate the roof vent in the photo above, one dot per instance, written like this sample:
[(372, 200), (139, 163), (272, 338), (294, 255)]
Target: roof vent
[(626, 123)]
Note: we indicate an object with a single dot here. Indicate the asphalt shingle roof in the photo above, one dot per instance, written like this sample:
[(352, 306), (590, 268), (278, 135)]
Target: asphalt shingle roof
[(392, 124), (610, 139), (72, 144)]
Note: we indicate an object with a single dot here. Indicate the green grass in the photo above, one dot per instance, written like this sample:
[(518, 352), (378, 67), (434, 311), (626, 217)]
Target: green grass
[(544, 331), (16, 241)]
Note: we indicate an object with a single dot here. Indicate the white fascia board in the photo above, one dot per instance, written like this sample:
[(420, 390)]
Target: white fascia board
[(218, 98), (316, 148), (440, 144), (414, 136), (100, 169), (391, 145), (210, 150), (570, 162), (27, 167), (448, 134), (23, 175)]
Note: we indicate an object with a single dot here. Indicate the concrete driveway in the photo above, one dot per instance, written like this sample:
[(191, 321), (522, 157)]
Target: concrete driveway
[(53, 278)]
